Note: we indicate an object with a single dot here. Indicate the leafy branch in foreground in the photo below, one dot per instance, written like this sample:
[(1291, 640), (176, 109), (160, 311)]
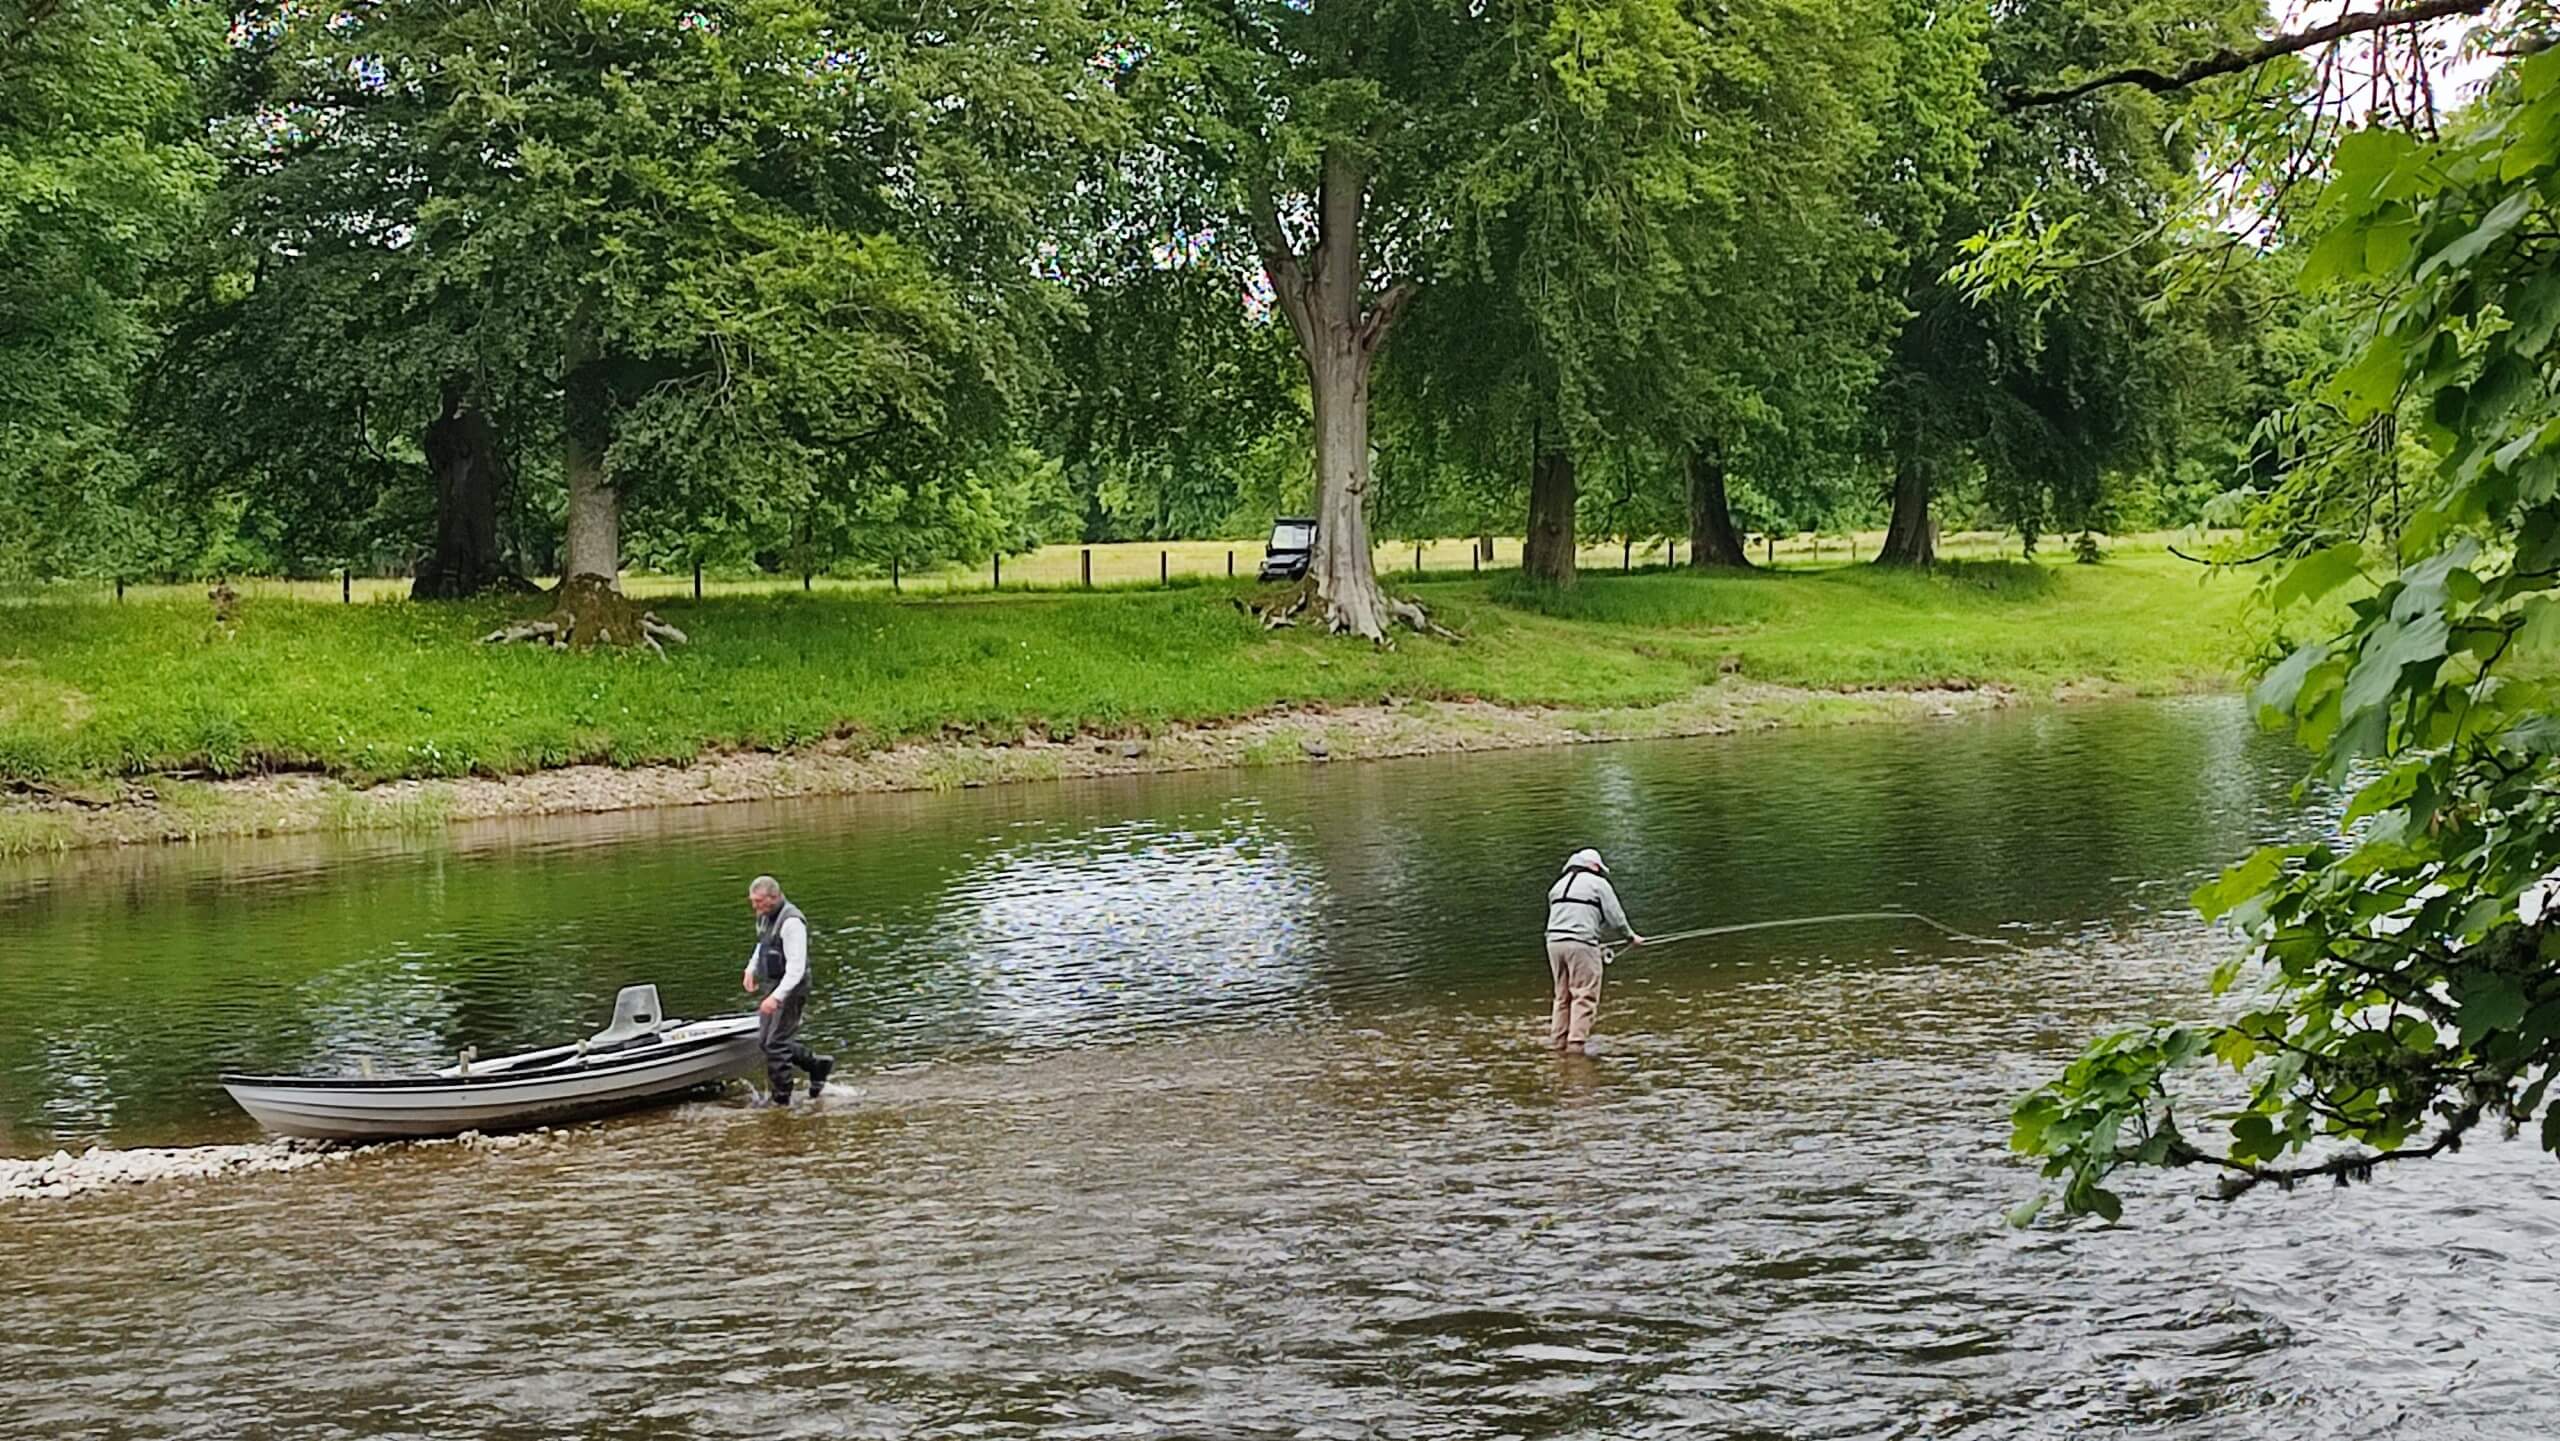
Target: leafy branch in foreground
[(2404, 975)]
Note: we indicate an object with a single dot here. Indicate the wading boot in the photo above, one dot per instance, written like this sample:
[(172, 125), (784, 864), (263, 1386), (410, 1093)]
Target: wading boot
[(780, 1095), (819, 1069)]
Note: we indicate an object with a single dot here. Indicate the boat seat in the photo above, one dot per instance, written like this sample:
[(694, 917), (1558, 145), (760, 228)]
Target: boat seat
[(636, 1015)]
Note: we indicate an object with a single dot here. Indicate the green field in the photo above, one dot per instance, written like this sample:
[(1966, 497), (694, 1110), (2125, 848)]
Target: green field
[(367, 692)]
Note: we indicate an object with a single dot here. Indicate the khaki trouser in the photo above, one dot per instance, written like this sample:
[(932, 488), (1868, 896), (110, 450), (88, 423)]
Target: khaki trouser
[(1577, 967)]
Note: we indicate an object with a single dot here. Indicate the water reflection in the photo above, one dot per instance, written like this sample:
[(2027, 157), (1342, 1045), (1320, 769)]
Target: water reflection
[(1078, 935)]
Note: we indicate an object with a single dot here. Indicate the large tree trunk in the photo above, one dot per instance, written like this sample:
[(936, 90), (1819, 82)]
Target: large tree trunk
[(595, 518), (1910, 539), (470, 471), (1339, 332), (593, 531), (1548, 552), (1345, 569), (1713, 542)]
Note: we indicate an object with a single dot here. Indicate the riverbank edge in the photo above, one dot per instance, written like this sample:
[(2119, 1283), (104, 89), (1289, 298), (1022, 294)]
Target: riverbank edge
[(63, 1176), (158, 811)]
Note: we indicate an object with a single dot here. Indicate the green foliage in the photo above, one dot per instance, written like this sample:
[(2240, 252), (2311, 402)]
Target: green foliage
[(771, 261), (2040, 349), (100, 170), (1169, 384), (809, 278), (1660, 246), (2404, 983)]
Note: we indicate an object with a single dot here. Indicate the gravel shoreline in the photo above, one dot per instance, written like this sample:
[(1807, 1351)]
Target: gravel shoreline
[(150, 812), (62, 1175)]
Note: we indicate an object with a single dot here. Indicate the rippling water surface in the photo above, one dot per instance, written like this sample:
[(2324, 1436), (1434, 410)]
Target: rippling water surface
[(1212, 1106)]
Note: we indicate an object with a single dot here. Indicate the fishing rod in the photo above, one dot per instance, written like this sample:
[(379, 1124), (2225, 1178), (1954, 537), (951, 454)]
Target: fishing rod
[(1842, 916)]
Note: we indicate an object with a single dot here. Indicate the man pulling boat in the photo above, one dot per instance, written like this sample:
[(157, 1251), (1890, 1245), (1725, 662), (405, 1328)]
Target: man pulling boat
[(781, 959)]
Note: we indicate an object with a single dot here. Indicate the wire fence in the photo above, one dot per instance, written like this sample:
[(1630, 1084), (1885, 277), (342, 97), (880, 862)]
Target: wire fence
[(1121, 565)]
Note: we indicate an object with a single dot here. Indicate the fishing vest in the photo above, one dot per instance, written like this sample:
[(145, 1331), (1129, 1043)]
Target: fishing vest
[(771, 964), (1566, 897)]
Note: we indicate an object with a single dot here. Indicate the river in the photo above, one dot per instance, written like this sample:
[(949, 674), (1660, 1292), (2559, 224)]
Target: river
[(1205, 1106)]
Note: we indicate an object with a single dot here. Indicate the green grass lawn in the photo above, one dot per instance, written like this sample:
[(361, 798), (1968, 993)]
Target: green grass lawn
[(374, 691)]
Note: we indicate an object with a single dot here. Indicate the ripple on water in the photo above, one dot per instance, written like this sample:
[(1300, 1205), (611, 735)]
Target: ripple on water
[(1213, 1107)]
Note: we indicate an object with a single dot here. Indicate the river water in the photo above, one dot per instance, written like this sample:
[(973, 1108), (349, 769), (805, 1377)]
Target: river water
[(1214, 1106)]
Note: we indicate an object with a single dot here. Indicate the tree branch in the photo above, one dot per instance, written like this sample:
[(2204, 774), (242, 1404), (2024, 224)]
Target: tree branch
[(1279, 261), (2245, 1176), (1383, 315), (2245, 560), (2230, 61)]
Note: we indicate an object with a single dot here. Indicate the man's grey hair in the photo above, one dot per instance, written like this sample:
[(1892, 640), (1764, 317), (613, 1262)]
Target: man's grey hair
[(764, 886)]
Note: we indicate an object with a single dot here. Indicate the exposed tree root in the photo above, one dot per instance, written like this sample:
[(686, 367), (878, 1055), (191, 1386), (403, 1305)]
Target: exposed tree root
[(1413, 616), (1366, 621), (1280, 614), (587, 611)]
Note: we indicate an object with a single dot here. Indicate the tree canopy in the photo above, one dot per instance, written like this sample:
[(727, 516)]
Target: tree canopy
[(476, 292), (729, 268)]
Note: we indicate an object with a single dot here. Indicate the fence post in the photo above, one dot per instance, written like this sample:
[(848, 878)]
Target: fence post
[(999, 585), (346, 586), (1476, 552), (804, 580), (1627, 561), (119, 590), (1164, 567), (893, 575), (1772, 539), (697, 577), (1088, 567), (1231, 562), (1417, 557)]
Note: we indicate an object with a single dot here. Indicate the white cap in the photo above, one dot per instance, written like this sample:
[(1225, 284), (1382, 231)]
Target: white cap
[(1586, 859)]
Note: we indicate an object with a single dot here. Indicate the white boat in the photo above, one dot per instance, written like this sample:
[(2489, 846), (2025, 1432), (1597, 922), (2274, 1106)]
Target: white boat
[(641, 1058)]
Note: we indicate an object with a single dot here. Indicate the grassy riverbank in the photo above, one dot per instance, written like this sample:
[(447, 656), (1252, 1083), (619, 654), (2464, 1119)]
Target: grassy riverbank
[(91, 693)]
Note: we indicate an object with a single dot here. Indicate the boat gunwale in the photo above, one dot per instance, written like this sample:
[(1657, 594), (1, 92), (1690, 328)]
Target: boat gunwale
[(567, 1068)]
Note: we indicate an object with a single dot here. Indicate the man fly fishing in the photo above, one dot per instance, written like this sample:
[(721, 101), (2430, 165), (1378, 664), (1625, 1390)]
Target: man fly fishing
[(1582, 914)]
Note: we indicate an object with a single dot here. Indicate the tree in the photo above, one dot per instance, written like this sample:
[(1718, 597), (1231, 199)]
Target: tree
[(1770, 373), (1318, 133), (2046, 392), (1166, 384), (1642, 240), (2405, 974), (100, 170), (1620, 162), (731, 261)]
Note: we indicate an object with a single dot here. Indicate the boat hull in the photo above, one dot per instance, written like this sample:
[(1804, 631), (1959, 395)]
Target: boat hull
[(683, 1060)]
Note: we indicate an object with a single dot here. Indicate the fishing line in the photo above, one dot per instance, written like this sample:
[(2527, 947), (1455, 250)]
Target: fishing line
[(1930, 921)]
